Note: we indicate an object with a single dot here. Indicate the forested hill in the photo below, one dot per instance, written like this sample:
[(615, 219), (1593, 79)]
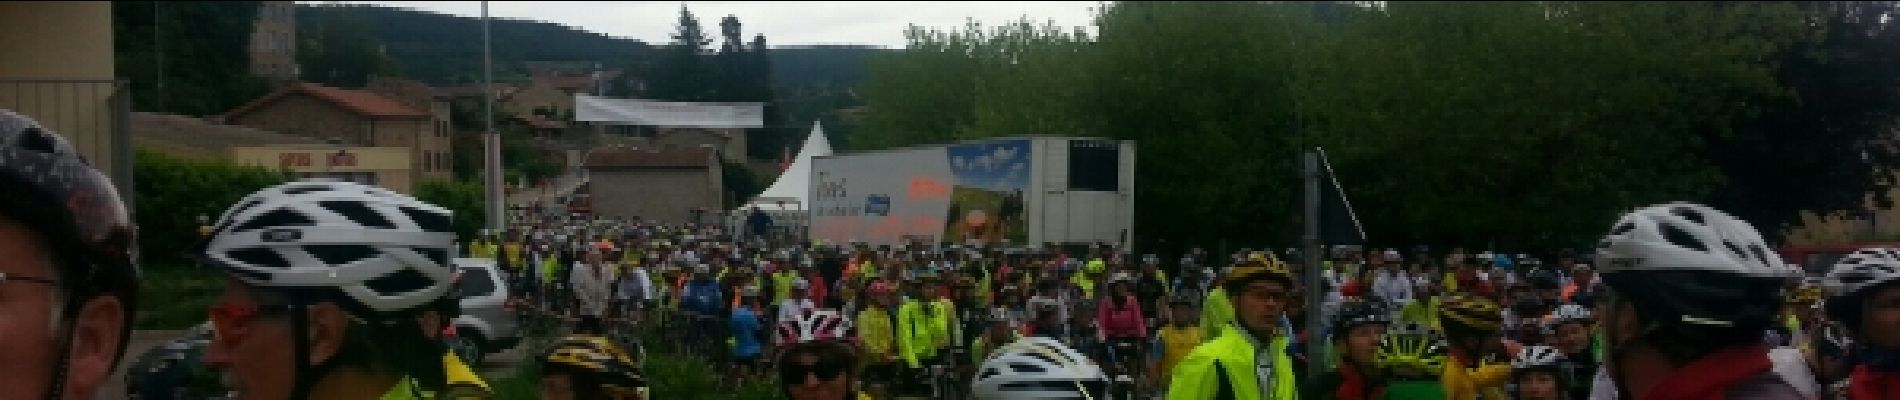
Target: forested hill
[(442, 48), (823, 65)]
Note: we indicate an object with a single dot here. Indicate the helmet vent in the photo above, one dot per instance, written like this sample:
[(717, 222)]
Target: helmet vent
[(276, 219), (1676, 236), (1026, 367), (429, 221), (340, 254), (1622, 229), (305, 189), (439, 256), (1689, 214), (358, 213), (36, 139), (257, 256)]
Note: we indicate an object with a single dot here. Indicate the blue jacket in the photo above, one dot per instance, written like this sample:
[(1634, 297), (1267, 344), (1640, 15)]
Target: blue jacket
[(702, 295), (745, 332)]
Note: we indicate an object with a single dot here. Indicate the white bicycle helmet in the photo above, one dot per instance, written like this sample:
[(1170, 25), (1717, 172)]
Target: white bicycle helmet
[(1853, 276), (1570, 312), (821, 325), (1038, 368), (1536, 357), (1688, 236), (385, 252), (1685, 263)]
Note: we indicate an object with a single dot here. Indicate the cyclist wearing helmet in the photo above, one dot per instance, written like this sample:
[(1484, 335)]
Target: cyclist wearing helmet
[(1470, 324), (1174, 341), (1569, 330), (1038, 367), (328, 283), (1356, 331), (589, 367), (1688, 292), (66, 245), (1118, 316), (816, 364), (1248, 359), (1864, 299), (1412, 358), (1537, 373), (924, 327)]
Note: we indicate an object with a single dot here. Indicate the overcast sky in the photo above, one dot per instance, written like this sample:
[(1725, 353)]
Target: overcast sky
[(878, 23)]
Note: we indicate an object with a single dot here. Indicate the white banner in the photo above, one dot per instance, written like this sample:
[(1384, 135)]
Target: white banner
[(667, 113)]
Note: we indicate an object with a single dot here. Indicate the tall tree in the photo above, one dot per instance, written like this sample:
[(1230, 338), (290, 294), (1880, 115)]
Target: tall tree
[(681, 73), (1827, 144), (339, 50), (205, 50)]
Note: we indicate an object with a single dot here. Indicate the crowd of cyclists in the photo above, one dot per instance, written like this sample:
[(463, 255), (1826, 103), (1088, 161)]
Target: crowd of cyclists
[(338, 290)]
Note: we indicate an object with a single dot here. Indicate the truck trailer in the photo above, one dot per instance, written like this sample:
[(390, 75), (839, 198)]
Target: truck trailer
[(1005, 191)]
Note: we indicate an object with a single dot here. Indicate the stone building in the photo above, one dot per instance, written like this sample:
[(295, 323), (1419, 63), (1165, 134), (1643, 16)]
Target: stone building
[(666, 185)]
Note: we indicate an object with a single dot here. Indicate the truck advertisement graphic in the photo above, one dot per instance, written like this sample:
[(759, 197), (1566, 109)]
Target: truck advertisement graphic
[(998, 191)]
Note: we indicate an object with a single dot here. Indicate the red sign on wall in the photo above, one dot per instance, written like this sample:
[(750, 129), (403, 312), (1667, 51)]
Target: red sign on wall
[(293, 160), (339, 159)]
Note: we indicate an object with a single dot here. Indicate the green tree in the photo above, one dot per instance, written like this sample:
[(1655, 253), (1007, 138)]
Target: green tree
[(171, 193), (1829, 134), (340, 51), (681, 72), (464, 198), (205, 51), (741, 183)]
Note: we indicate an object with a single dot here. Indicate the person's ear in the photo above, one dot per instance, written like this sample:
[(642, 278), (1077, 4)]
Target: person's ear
[(97, 330), (328, 329)]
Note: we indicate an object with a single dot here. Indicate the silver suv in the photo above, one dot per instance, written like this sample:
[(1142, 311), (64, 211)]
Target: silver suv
[(485, 325)]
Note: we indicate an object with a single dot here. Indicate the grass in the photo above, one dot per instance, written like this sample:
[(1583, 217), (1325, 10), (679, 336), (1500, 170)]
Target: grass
[(176, 296)]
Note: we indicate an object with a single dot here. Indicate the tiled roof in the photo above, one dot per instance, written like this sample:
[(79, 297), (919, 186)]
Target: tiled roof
[(650, 158), (362, 103), (181, 135)]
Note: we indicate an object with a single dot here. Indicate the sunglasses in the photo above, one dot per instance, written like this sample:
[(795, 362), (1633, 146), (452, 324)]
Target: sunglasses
[(229, 321), (794, 373)]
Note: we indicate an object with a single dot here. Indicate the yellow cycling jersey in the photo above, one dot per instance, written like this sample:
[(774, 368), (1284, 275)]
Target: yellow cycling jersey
[(876, 333)]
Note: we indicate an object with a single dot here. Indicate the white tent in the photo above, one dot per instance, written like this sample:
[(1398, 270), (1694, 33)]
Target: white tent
[(790, 191)]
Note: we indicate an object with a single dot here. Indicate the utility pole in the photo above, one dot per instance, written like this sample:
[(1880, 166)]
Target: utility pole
[(490, 138)]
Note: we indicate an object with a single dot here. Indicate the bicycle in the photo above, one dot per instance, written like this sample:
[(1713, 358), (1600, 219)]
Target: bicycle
[(944, 384), (1125, 362)]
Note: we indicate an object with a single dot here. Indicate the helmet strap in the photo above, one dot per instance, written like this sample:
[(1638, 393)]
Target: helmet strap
[(69, 310)]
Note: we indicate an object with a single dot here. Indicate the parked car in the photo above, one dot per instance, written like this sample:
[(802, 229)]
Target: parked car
[(175, 370), (487, 323)]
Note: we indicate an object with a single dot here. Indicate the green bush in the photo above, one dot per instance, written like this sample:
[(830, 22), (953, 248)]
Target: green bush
[(463, 198), (171, 193), (174, 296)]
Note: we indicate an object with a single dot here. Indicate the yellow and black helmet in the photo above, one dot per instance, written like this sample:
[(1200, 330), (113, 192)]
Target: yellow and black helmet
[(1252, 270), (1808, 293), (1475, 312), (596, 360), (1411, 351)]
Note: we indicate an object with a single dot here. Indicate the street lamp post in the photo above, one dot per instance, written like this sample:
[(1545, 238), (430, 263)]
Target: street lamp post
[(490, 138)]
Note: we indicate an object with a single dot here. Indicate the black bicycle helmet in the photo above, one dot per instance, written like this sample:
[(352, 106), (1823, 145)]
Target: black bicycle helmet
[(54, 192), (1355, 312)]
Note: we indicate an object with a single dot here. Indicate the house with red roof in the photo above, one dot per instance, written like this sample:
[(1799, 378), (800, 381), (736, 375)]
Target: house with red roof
[(350, 119)]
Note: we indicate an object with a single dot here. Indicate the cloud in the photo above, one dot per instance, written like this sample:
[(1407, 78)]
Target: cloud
[(880, 23)]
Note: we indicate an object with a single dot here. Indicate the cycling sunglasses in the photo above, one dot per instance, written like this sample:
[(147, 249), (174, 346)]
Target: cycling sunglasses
[(795, 373), (229, 321)]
